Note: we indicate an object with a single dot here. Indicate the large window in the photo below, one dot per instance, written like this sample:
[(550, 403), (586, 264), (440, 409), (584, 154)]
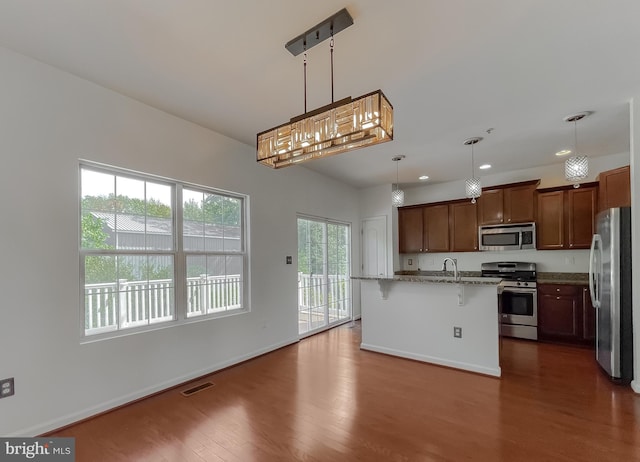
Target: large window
[(157, 251)]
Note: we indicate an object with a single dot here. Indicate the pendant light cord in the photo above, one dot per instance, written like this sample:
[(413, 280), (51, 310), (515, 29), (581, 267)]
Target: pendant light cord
[(331, 47), (305, 76), (473, 173), (575, 135), (397, 175)]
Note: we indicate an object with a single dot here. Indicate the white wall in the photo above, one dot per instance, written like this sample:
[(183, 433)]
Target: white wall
[(48, 120), (634, 116)]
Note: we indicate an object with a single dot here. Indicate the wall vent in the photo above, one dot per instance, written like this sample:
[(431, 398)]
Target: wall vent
[(196, 389)]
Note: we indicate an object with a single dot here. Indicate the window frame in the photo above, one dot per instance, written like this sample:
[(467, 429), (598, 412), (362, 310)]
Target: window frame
[(179, 254)]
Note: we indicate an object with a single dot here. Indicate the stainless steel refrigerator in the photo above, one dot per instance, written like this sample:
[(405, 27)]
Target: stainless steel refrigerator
[(610, 287)]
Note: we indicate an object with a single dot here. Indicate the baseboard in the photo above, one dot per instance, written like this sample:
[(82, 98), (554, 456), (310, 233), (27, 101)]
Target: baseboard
[(635, 386), (494, 372), (106, 406)]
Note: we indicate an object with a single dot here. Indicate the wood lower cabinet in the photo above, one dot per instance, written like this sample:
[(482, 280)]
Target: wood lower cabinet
[(566, 217), (565, 314), (615, 188), (588, 316)]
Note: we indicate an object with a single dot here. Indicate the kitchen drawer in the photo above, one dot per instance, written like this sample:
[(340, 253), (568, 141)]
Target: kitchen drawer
[(558, 289)]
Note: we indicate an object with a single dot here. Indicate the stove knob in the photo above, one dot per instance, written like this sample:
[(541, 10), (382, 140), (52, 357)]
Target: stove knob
[(526, 284), (518, 284)]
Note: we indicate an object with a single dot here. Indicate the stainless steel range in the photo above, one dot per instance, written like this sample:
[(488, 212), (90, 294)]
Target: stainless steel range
[(518, 300)]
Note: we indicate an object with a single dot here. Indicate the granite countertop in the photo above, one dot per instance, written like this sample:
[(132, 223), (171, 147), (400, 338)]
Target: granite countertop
[(579, 279), (474, 277), (435, 277)]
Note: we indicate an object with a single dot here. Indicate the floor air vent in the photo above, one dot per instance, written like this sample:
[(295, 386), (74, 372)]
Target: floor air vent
[(196, 389)]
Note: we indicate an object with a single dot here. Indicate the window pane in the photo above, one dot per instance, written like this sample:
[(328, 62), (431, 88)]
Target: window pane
[(211, 222), (145, 289), (100, 294), (97, 207), (232, 212), (130, 217), (193, 220), (159, 228), (125, 213), (214, 283)]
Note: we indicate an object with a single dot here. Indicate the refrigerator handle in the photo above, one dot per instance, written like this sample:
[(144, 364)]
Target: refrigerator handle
[(594, 289)]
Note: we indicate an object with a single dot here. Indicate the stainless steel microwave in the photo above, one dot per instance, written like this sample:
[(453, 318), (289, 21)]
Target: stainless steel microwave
[(507, 237)]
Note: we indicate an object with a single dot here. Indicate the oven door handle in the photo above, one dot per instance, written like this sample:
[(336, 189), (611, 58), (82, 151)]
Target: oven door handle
[(519, 290)]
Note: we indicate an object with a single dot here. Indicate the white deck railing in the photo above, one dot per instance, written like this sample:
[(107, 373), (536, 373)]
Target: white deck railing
[(126, 304), (314, 293)]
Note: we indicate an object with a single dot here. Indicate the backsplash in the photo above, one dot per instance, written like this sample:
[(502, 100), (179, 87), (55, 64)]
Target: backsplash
[(558, 261)]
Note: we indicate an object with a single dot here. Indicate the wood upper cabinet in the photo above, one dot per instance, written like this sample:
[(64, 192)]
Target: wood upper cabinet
[(566, 217), (436, 228), (565, 314), (615, 188), (463, 226), (511, 203), (491, 207), (550, 225), (440, 227), (581, 209), (410, 229)]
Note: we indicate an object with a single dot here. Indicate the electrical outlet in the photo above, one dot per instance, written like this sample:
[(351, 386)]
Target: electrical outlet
[(7, 387), (410, 262), (457, 332)]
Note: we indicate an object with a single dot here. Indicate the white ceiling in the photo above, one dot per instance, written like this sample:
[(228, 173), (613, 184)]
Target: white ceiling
[(451, 68)]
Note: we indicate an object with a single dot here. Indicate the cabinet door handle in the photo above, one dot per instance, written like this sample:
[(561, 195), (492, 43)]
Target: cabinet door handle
[(557, 298), (557, 290)]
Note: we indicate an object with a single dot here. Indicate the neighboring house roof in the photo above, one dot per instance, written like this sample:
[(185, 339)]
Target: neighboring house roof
[(130, 223)]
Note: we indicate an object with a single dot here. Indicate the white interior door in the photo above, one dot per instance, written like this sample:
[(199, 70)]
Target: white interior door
[(374, 246)]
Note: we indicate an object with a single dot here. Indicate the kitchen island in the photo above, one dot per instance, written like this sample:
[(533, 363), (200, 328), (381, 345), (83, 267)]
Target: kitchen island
[(414, 317)]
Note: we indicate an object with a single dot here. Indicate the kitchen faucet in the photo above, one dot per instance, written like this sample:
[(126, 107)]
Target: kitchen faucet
[(455, 267)]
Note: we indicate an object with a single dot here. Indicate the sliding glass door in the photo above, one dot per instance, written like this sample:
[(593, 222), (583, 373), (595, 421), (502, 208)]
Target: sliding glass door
[(324, 272)]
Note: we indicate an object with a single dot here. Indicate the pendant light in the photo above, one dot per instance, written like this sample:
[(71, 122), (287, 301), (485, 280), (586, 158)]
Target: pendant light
[(397, 195), (339, 127), (576, 168), (473, 188)]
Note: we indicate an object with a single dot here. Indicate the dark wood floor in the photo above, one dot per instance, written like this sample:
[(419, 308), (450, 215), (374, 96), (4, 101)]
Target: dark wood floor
[(325, 400)]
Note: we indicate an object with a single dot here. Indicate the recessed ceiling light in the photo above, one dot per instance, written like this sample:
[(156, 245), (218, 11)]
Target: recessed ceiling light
[(423, 177), (564, 152), (484, 166)]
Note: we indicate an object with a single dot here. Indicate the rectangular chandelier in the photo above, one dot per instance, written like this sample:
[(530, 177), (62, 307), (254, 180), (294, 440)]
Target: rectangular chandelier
[(333, 129)]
